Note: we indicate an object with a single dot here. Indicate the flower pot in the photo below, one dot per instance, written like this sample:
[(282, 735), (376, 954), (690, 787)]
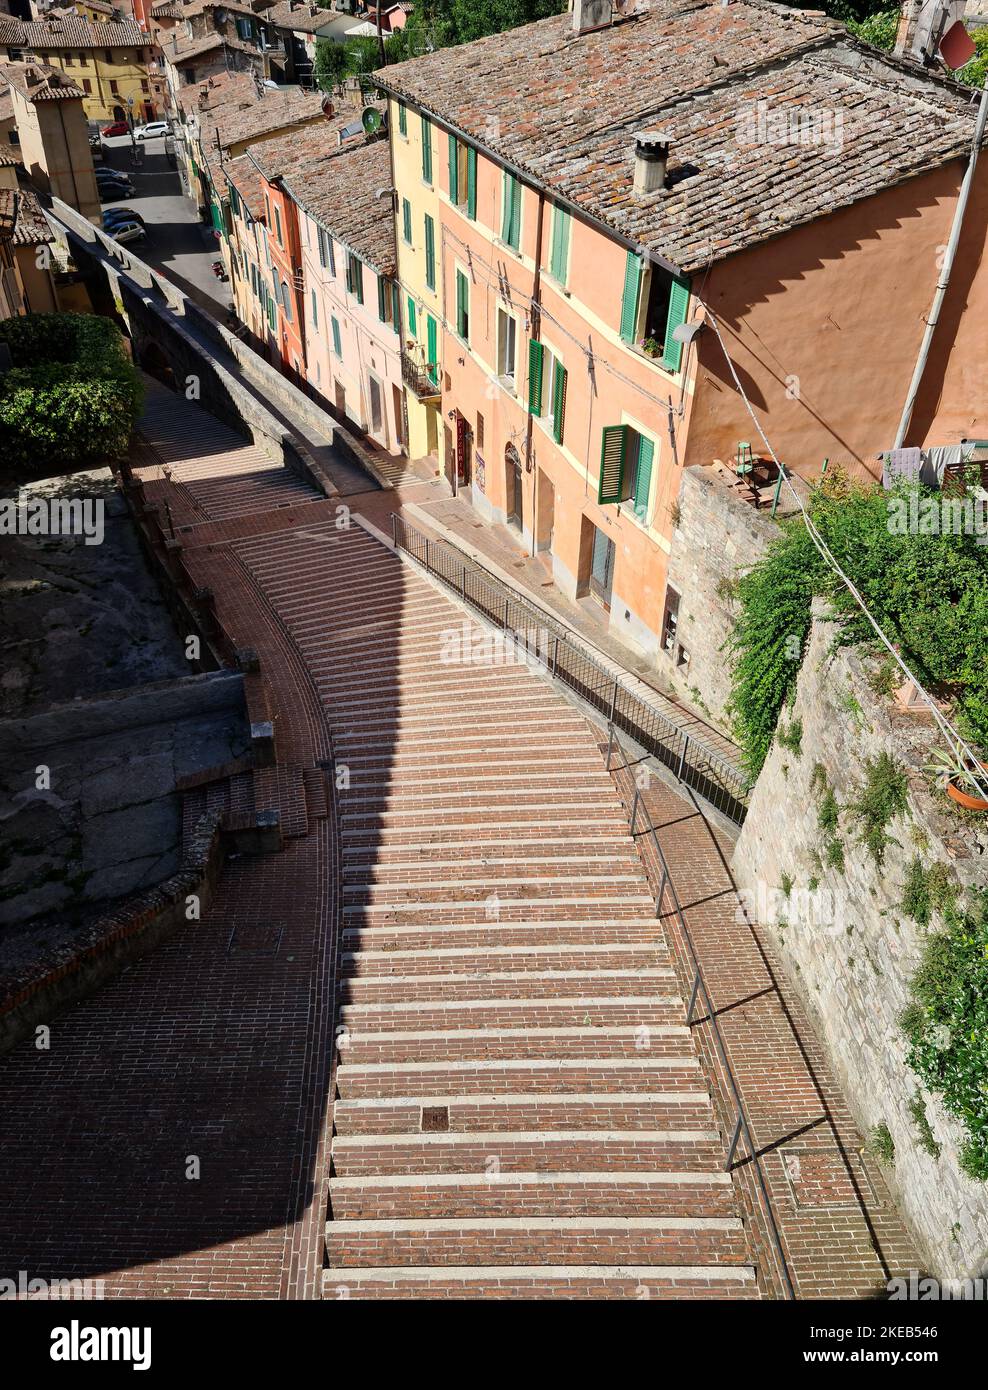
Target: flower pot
[(965, 799)]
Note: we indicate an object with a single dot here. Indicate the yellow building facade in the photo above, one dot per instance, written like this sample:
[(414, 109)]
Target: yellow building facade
[(107, 61), (416, 151)]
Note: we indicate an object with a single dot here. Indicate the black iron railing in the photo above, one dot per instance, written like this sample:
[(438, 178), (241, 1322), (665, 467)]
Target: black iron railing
[(534, 632), (642, 824), (423, 378)]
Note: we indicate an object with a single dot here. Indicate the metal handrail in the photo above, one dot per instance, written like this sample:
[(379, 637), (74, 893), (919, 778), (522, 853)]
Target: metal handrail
[(699, 989), (694, 764)]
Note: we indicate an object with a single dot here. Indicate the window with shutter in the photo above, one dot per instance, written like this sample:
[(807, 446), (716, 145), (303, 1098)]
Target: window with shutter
[(382, 299), (454, 170), (395, 307), (612, 452), (426, 149), (432, 349), (321, 239), (411, 317), (558, 401), (679, 301), (337, 345), (559, 256), (430, 252), (472, 183), (629, 299), (511, 211), (643, 477), (535, 354), (402, 118), (463, 306), (315, 312), (355, 277), (406, 221)]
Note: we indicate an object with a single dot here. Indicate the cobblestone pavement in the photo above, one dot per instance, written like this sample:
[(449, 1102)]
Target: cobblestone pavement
[(518, 1107)]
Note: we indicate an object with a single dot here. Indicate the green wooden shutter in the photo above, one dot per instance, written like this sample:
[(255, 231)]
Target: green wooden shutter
[(515, 213), (535, 355), (679, 301), (357, 271), (629, 300), (430, 252), (412, 331), (558, 402), (559, 259), (431, 348), (406, 220), (337, 345), (395, 307), (427, 149), (643, 478), (612, 450), (402, 118), (454, 171), (471, 183), (382, 299), (511, 211), (462, 305)]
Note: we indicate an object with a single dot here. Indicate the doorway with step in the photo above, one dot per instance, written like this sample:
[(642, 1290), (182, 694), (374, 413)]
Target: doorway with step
[(513, 487)]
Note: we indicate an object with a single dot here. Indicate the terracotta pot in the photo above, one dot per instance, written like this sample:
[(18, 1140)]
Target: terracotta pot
[(965, 799)]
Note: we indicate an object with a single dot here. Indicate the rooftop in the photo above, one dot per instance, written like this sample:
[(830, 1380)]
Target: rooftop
[(69, 31), (564, 109), (40, 82), (338, 185), (31, 227), (300, 16), (245, 177)]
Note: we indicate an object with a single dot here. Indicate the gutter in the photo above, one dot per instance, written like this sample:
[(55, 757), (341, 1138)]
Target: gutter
[(947, 267)]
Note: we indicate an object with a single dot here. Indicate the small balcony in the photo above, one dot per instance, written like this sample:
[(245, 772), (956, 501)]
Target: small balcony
[(420, 376)]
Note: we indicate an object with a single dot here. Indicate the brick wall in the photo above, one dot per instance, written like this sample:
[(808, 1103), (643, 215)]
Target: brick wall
[(850, 948)]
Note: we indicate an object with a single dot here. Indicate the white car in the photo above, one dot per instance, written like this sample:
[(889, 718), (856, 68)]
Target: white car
[(128, 231), (152, 131)]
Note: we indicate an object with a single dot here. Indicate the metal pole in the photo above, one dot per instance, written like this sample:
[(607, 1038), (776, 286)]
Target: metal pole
[(555, 654), (394, 528), (610, 745), (463, 582), (734, 1140), (505, 614), (634, 811), (614, 699), (778, 489), (948, 263), (682, 757), (696, 991), (427, 562)]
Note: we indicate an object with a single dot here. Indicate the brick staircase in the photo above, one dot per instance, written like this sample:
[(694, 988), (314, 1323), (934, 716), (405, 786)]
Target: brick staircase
[(519, 1111)]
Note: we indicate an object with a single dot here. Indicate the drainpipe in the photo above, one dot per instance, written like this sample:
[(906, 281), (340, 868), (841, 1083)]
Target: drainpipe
[(536, 336), (948, 262)]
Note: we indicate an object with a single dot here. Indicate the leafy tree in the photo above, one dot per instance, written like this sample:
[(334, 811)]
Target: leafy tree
[(974, 72), (330, 64)]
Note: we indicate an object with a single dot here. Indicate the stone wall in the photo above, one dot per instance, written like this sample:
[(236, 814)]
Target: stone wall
[(842, 933), (90, 807), (718, 537)]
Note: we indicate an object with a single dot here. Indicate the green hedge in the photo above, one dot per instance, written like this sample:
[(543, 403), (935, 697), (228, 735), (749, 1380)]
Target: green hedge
[(71, 398), (929, 593), (947, 1026)]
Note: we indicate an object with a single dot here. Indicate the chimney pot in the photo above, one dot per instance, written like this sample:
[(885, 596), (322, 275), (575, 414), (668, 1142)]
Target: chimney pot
[(651, 160), (591, 14)]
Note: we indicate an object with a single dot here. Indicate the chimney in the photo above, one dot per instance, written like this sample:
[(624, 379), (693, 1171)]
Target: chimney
[(591, 14), (651, 159)]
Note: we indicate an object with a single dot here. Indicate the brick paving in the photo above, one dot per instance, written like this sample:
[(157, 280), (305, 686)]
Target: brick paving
[(516, 1106)]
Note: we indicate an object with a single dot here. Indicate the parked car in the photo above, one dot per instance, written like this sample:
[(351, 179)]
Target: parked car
[(127, 231), (151, 131), (104, 177), (112, 192), (117, 128), (122, 215)]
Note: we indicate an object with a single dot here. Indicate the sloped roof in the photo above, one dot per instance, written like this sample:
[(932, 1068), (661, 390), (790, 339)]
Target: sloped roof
[(41, 82), (249, 183), (31, 227), (71, 31), (338, 185), (563, 109)]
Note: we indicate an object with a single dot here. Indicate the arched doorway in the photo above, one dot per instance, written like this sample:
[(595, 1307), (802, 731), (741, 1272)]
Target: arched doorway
[(512, 486)]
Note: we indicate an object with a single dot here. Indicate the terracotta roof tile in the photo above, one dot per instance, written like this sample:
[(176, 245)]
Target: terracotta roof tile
[(564, 109)]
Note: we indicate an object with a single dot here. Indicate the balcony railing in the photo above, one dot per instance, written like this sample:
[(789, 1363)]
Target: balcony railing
[(421, 376)]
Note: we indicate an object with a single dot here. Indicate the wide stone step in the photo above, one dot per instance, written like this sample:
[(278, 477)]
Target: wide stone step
[(588, 1011), (547, 1151), (490, 1193), (614, 1240), (686, 1108), (542, 1282), (517, 1075), (665, 1042), (495, 987), (643, 931)]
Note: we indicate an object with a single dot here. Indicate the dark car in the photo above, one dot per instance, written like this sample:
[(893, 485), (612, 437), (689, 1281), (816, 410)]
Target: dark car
[(122, 215), (117, 128), (110, 192)]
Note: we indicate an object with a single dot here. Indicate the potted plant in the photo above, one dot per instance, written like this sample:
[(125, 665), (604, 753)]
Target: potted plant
[(651, 347), (962, 781)]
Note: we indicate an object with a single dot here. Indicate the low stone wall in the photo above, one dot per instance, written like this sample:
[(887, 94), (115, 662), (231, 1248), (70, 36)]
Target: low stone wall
[(718, 537), (850, 947), (130, 930)]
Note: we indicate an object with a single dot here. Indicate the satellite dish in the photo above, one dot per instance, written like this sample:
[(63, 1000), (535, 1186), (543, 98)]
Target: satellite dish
[(328, 109), (371, 119)]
